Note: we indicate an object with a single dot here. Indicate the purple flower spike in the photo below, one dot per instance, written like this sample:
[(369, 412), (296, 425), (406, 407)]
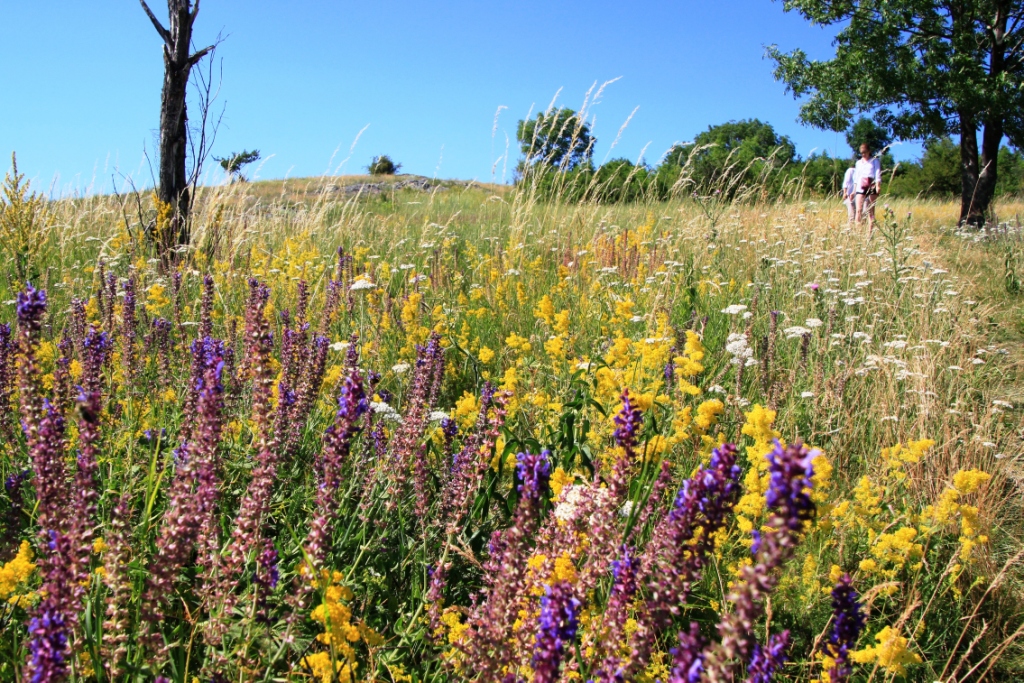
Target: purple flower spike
[(559, 614), (533, 471), (688, 658), (765, 660), (47, 647), (790, 484), (627, 425), (31, 307), (848, 622)]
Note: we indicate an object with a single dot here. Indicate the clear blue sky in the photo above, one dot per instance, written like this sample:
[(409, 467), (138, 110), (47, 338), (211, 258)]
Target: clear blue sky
[(81, 80)]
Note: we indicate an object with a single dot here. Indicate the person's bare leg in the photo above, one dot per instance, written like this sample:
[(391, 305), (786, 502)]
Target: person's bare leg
[(859, 203), (871, 215)]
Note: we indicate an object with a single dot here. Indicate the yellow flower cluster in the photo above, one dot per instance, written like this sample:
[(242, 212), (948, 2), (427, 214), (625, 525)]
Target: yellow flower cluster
[(339, 662), (14, 574), (891, 652)]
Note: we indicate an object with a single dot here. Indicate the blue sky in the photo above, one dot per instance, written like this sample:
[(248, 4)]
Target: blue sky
[(81, 82)]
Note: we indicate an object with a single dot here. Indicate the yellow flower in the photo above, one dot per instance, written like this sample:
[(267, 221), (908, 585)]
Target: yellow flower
[(891, 652), (485, 355), (16, 572), (559, 479)]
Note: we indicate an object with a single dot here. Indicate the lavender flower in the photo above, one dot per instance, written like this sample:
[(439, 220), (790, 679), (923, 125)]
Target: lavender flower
[(7, 348), (352, 404), (47, 647), (679, 546), (627, 426), (532, 471), (788, 498), (616, 614), (559, 614), (206, 308), (129, 331), (766, 660), (688, 658), (119, 589), (847, 624)]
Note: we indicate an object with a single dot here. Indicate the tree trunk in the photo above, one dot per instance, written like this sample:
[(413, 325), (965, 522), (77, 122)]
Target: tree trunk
[(978, 179), (173, 145), (178, 63)]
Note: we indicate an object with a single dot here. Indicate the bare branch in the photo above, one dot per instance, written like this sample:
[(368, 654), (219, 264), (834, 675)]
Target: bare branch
[(199, 55), (156, 23)]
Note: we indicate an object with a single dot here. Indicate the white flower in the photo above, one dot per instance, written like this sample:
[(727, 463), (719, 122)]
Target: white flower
[(813, 323), (742, 354), (385, 411), (406, 266), (340, 346), (955, 368), (512, 271), (636, 319), (898, 344), (417, 278), (795, 332), (627, 509), (361, 283), (1002, 404), (807, 394), (747, 315), (437, 415), (977, 361), (716, 389), (734, 309), (399, 368)]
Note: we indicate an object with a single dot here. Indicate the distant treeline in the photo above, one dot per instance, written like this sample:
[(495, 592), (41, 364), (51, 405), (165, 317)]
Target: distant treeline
[(749, 160)]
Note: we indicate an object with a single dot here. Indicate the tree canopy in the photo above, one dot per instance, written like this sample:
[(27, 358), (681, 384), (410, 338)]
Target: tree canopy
[(558, 139), (733, 155), (924, 69)]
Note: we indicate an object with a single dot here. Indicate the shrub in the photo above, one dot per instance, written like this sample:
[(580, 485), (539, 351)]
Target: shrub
[(383, 165)]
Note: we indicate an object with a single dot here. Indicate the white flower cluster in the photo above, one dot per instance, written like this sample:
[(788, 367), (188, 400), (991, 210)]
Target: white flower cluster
[(741, 352), (385, 411), (361, 283)]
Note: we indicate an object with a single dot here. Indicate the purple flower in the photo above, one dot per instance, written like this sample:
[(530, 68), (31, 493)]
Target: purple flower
[(31, 308), (765, 660), (847, 624), (789, 487), (559, 614), (533, 471), (688, 658), (47, 647), (680, 544), (791, 507), (627, 426)]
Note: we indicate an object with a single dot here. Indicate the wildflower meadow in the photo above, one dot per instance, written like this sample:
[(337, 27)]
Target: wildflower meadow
[(466, 433)]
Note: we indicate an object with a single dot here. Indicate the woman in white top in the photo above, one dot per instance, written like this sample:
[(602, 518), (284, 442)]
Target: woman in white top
[(867, 181), (848, 195)]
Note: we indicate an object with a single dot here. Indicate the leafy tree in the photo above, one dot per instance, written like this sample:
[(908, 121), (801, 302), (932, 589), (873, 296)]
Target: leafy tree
[(383, 165), (864, 130), (233, 164), (733, 156), (925, 69), (620, 180), (823, 174), (559, 139)]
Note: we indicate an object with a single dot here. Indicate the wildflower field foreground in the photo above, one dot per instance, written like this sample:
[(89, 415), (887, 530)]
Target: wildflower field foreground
[(465, 435)]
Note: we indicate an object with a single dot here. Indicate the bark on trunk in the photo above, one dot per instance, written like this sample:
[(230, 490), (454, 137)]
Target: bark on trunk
[(979, 172), (178, 63), (173, 145)]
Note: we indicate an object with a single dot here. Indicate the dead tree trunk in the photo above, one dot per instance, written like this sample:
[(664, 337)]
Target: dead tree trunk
[(178, 63)]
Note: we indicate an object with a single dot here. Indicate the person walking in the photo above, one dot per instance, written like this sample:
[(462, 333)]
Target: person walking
[(867, 179), (848, 194)]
